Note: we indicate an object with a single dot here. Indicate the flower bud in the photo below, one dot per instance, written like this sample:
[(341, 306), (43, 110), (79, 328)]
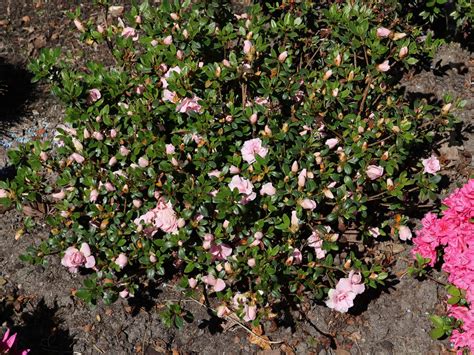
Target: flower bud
[(253, 118), (338, 60), (294, 167), (79, 25), (112, 161), (327, 74), (282, 57), (403, 52)]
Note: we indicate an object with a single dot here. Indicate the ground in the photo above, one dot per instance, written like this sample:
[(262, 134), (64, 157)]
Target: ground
[(38, 303)]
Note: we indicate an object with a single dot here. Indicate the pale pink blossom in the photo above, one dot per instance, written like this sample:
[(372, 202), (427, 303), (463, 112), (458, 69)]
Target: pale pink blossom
[(234, 170), (431, 165), (217, 284), (282, 57), (137, 203), (244, 186), (109, 187), (124, 294), (257, 241), (94, 195), (94, 95), (374, 172), (297, 256), (327, 74), (314, 241), (113, 133), (404, 233), (383, 32), (124, 151), (247, 46), (143, 162), (251, 262), (189, 104), (250, 313), (332, 142), (59, 195), (267, 189), (121, 260), (295, 222), (79, 159), (340, 300), (4, 193), (112, 161), (129, 32), (220, 252), (79, 25), (251, 148), (294, 167), (383, 67), (73, 258), (302, 178), (169, 148), (43, 156), (374, 231), (308, 204), (168, 40), (192, 282), (97, 135), (403, 52), (140, 89)]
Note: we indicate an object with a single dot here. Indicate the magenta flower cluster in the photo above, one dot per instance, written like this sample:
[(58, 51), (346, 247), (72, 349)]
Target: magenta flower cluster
[(453, 233)]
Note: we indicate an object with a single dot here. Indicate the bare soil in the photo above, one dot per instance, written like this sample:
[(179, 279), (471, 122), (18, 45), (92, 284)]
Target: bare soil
[(38, 301)]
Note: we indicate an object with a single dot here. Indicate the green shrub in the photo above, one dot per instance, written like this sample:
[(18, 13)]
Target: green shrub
[(311, 88)]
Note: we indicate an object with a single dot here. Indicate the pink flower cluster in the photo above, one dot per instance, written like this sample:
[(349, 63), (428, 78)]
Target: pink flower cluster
[(7, 344), (161, 217), (73, 258), (454, 233), (342, 297)]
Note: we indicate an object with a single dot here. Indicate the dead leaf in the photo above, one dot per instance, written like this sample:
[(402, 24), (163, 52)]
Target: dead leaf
[(341, 352), (25, 20), (2, 281), (39, 41), (261, 341)]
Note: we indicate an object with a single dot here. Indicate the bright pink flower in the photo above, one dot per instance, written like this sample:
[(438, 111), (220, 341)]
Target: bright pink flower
[(340, 300), (8, 346), (374, 172), (431, 165), (121, 260), (73, 258), (267, 189), (251, 148), (189, 104)]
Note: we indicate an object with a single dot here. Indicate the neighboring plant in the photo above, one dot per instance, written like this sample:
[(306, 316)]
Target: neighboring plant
[(450, 240), (232, 152), (8, 346)]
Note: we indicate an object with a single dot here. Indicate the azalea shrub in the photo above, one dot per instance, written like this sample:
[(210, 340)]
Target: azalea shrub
[(449, 242), (8, 344), (259, 157)]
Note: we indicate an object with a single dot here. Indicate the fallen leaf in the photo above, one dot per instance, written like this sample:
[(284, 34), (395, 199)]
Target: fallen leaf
[(261, 341)]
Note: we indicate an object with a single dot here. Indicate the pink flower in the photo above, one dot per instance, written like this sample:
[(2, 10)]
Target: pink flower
[(234, 170), (73, 258), (123, 294), (165, 217), (170, 96), (404, 233), (302, 178), (43, 156), (297, 256), (93, 195), (143, 162), (282, 57), (79, 25), (112, 161), (137, 203), (192, 282), (383, 67), (251, 262), (189, 105), (244, 186), (308, 204), (250, 313), (403, 52), (267, 189), (340, 300), (331, 143), (208, 241), (59, 195), (258, 237), (168, 40), (374, 172), (355, 281), (295, 222), (140, 89), (247, 46), (217, 284), (129, 32), (124, 151), (327, 75), (109, 187), (220, 252), (94, 95), (374, 232), (431, 165), (7, 344), (97, 135), (383, 32), (253, 118), (4, 193), (316, 242), (251, 148), (214, 173), (169, 149), (121, 260)]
